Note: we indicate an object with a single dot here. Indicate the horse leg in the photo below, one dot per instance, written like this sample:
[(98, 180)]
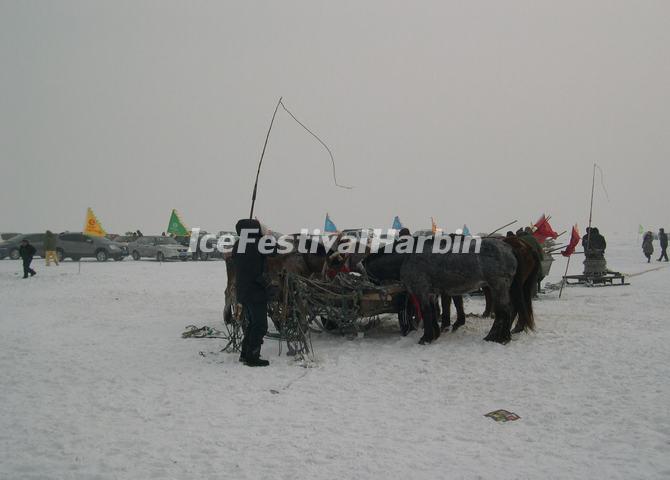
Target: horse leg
[(429, 319), (500, 330), (229, 300), (460, 313), (228, 314), (405, 316), (518, 307), (446, 311), (436, 317), (520, 321), (489, 302), (526, 319)]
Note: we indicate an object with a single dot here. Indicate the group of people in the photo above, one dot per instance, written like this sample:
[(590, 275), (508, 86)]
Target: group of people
[(648, 245)]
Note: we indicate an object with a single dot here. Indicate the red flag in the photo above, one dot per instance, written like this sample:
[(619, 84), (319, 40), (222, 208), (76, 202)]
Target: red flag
[(543, 230), (574, 241)]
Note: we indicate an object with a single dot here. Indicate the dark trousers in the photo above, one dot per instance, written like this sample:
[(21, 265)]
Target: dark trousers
[(664, 254), (26, 267), (255, 328)]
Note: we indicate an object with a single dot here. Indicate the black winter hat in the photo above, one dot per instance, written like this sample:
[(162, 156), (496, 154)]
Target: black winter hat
[(248, 224)]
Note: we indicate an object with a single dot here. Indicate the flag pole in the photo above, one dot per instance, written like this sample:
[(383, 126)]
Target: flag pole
[(258, 172), (593, 185), (564, 281)]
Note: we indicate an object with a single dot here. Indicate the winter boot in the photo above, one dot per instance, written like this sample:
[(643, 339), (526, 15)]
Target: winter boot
[(256, 362)]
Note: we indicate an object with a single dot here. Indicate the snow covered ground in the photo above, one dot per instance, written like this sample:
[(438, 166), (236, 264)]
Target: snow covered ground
[(95, 382)]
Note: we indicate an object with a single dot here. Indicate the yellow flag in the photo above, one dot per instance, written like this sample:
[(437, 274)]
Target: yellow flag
[(433, 225), (92, 225)]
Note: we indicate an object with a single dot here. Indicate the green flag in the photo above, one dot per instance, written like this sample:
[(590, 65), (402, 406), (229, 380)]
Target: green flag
[(640, 230), (176, 226)]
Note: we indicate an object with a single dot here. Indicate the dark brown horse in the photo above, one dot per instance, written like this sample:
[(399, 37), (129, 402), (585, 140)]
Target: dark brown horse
[(305, 264), (528, 271)]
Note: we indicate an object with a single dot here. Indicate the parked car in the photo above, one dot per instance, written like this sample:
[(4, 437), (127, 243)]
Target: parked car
[(10, 248), (77, 245), (124, 240), (212, 252), (158, 247)]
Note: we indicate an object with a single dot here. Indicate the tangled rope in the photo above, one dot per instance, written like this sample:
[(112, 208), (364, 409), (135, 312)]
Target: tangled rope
[(345, 304)]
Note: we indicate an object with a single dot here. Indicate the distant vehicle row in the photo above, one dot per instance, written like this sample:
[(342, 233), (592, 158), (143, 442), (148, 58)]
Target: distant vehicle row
[(68, 245), (76, 245)]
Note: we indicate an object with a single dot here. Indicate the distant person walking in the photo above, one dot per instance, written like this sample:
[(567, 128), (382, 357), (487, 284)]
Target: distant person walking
[(648, 245), (27, 252), (663, 239), (50, 248)]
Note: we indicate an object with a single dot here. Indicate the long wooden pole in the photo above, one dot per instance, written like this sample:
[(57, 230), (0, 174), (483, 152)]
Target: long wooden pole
[(593, 185), (253, 196), (500, 228)]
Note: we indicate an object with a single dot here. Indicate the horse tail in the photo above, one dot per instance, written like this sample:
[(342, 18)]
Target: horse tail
[(518, 294), (518, 301), (528, 289)]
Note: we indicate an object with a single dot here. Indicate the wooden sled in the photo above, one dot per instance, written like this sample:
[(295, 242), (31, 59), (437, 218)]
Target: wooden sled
[(608, 279)]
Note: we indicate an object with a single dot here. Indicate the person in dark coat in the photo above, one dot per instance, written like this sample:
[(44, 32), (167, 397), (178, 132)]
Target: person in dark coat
[(252, 283), (594, 243), (598, 241), (648, 245), (663, 240), (27, 252), (593, 240)]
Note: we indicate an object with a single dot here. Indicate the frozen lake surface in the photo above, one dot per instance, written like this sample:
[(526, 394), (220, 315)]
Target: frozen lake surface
[(96, 382)]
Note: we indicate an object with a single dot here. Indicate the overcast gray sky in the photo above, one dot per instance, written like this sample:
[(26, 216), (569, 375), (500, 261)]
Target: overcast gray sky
[(471, 112)]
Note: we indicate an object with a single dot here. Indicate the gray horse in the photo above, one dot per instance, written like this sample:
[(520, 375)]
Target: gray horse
[(427, 274)]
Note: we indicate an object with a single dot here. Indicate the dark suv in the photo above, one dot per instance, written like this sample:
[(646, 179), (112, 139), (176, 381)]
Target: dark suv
[(10, 248), (78, 245)]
